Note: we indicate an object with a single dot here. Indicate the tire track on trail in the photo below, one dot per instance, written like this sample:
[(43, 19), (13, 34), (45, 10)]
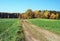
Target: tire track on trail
[(34, 33)]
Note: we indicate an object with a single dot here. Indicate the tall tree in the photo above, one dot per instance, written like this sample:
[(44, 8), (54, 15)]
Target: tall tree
[(29, 13)]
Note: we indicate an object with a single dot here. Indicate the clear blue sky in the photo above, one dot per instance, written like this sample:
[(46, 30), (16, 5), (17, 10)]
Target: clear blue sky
[(23, 5)]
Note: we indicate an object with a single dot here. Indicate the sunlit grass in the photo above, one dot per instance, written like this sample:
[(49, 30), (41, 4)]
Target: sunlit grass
[(48, 24), (9, 30)]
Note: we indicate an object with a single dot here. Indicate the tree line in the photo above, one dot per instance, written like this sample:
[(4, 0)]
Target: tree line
[(29, 14), (9, 15)]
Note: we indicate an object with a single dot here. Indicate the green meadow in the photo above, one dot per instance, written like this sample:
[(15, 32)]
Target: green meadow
[(48, 24), (11, 30)]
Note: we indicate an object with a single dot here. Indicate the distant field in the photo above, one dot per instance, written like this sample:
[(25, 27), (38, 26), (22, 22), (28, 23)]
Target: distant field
[(48, 24), (11, 30)]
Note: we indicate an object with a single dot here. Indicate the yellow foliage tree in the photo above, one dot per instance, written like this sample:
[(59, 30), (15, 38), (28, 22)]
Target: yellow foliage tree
[(37, 14), (53, 16), (46, 13), (57, 15), (29, 13)]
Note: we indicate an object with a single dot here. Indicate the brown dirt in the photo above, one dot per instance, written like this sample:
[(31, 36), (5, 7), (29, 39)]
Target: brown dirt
[(34, 33)]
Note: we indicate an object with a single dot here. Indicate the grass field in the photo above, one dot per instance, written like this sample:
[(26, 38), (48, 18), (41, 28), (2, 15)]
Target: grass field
[(11, 30), (48, 24)]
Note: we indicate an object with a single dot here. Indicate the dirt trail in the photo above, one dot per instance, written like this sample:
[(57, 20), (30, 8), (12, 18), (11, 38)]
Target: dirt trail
[(34, 33)]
